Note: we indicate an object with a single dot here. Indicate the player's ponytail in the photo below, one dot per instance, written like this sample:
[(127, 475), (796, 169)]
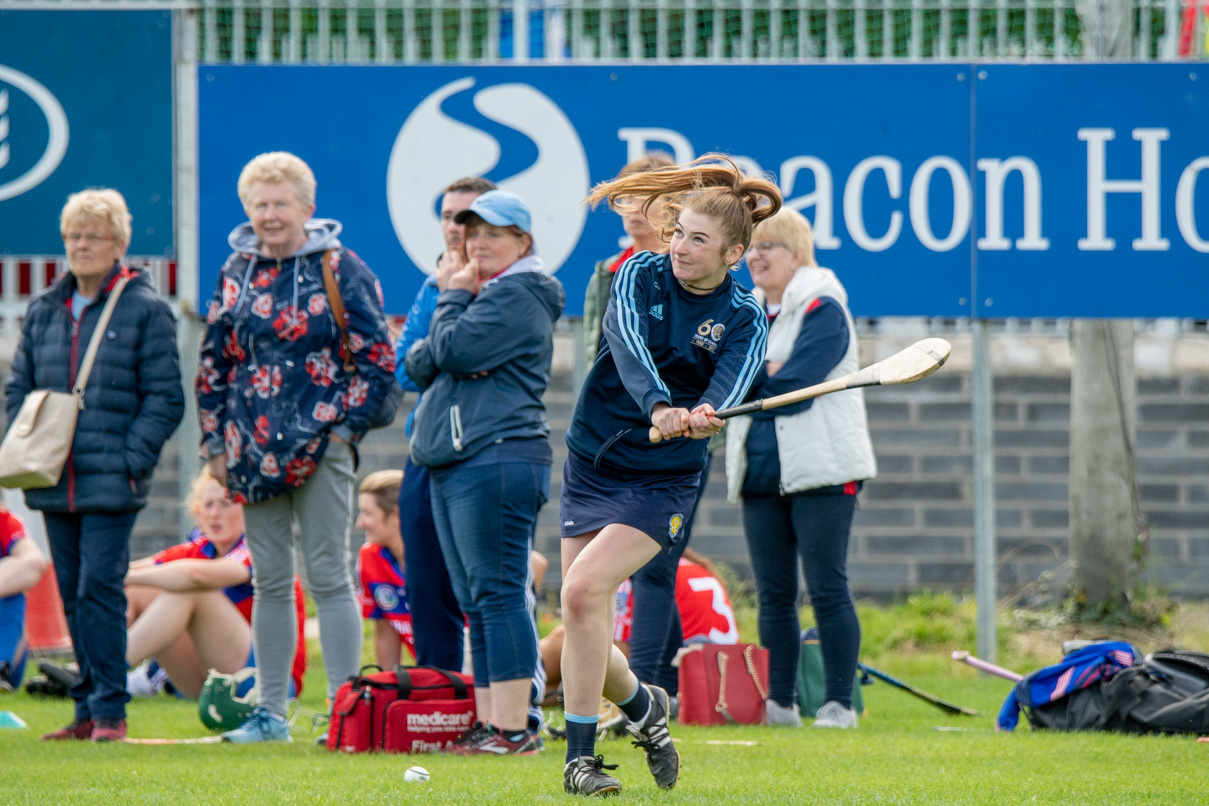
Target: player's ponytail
[(710, 185)]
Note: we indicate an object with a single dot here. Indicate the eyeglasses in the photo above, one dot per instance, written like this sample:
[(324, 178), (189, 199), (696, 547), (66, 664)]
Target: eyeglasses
[(91, 237), (765, 246)]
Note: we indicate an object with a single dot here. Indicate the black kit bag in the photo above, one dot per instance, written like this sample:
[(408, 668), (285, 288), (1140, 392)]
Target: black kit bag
[(1167, 693)]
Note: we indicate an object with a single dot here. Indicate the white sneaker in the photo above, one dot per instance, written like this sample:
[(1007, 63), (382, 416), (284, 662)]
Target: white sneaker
[(141, 683), (834, 715), (777, 714)]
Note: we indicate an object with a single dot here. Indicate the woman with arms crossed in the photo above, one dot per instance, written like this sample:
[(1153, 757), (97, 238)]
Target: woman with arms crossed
[(682, 339)]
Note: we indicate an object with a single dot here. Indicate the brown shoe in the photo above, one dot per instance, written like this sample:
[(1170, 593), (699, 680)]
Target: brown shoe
[(80, 730), (109, 730)]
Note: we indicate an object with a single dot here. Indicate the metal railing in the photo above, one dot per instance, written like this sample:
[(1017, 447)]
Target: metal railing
[(23, 277), (589, 31)]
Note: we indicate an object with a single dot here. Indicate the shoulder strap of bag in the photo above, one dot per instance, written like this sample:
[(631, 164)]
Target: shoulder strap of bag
[(455, 682), (94, 343), (336, 303)]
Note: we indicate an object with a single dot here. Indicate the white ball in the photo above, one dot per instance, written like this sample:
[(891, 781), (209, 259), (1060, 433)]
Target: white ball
[(415, 774)]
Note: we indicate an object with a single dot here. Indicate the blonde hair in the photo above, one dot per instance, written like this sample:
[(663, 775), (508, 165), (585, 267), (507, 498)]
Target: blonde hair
[(711, 185), (193, 498), (273, 168), (791, 228), (103, 203), (383, 485)]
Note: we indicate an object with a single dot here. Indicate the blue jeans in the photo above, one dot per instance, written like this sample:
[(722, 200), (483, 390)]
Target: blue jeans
[(91, 553), (436, 618), (485, 515), (12, 631), (779, 530)]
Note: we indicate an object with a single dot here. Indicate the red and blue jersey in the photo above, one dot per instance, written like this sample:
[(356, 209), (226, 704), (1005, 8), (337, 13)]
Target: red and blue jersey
[(705, 610), (382, 591), (199, 547), (11, 530)]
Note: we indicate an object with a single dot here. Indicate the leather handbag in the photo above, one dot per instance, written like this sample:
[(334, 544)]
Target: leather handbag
[(385, 415), (723, 684), (36, 447)]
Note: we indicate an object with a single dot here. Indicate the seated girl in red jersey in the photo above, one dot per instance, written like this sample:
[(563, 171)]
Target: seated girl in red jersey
[(190, 606), (380, 586), (706, 616)]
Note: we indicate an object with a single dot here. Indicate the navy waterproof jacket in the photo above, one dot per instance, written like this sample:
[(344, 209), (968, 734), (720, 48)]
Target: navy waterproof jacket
[(506, 332), (133, 402)]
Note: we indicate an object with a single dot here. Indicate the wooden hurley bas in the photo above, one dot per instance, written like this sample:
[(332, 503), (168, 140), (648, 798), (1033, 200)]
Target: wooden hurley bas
[(916, 362)]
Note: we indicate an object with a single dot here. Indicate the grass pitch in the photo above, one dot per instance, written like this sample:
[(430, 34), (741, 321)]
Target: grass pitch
[(897, 756)]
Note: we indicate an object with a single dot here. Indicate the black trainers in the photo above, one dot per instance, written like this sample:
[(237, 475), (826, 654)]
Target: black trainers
[(654, 739), (586, 776), (470, 736)]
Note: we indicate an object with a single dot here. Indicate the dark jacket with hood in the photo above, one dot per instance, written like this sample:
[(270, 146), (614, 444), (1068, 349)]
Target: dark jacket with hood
[(507, 331), (271, 381), (132, 403)]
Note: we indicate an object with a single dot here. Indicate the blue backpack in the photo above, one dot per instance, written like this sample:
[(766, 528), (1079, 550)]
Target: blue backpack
[(1079, 670)]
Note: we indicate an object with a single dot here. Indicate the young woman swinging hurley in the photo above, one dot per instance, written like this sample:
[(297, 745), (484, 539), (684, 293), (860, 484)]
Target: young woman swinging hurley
[(681, 339)]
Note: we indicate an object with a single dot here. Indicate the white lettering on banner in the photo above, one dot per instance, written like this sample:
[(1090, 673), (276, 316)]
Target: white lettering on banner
[(4, 150), (639, 140), (995, 175), (1185, 212), (854, 198), (918, 204), (1098, 188), (820, 198), (57, 138), (996, 172)]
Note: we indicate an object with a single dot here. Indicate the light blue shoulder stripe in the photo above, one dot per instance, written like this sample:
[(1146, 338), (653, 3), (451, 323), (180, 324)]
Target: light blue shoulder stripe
[(741, 298), (628, 315)]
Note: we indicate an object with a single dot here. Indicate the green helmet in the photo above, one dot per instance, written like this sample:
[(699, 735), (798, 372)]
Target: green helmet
[(227, 699)]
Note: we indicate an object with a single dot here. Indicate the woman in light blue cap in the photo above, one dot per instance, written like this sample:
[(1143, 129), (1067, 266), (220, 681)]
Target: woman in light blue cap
[(481, 429)]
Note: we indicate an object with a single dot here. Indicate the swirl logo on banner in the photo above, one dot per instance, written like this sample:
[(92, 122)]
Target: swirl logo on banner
[(31, 168), (433, 149)]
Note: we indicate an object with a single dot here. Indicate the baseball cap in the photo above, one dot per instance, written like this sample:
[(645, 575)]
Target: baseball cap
[(498, 208)]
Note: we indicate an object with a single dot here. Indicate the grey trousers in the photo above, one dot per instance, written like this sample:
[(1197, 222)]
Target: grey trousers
[(321, 509)]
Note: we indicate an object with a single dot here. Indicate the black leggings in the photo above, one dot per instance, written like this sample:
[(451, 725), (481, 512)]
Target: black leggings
[(815, 527)]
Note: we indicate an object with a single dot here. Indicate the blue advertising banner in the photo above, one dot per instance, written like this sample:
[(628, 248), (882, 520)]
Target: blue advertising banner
[(85, 101), (1088, 200), (914, 176)]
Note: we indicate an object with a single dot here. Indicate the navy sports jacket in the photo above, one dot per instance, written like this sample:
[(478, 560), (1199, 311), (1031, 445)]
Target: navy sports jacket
[(664, 344)]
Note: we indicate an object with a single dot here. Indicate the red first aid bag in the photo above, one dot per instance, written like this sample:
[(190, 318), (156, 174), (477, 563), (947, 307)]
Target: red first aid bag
[(723, 685), (408, 709)]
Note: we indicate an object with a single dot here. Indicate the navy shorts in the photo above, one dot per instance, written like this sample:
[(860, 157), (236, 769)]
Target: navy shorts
[(654, 505)]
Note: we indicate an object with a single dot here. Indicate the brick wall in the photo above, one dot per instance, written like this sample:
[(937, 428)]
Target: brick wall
[(914, 527)]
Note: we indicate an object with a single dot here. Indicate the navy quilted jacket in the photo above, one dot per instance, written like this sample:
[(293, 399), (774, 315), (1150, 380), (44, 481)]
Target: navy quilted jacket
[(271, 383), (133, 402)]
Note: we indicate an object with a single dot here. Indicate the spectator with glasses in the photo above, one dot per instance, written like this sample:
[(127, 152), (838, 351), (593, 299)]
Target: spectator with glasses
[(798, 468), (132, 403)]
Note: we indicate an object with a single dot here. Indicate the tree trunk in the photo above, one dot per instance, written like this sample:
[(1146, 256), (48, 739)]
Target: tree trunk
[(1104, 525), (1104, 520)]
